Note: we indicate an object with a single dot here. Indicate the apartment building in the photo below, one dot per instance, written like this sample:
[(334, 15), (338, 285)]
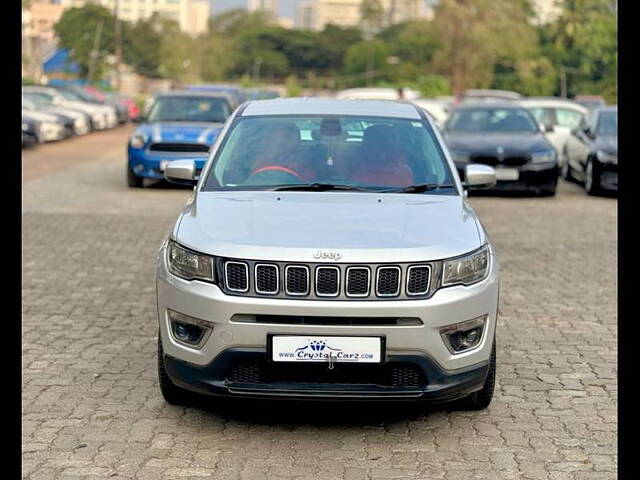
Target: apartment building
[(191, 15)]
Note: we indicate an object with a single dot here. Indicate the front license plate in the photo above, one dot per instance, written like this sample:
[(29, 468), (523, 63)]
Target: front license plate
[(302, 348), (507, 174), (163, 165)]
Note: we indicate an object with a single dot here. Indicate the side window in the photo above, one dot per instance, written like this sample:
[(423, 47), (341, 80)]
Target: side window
[(568, 118)]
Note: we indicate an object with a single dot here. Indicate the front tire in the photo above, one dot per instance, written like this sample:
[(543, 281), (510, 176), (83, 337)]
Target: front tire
[(591, 179), (170, 392), (133, 180), (482, 398)]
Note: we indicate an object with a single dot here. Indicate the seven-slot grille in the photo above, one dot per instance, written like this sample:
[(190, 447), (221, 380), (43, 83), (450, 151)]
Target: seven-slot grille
[(325, 281)]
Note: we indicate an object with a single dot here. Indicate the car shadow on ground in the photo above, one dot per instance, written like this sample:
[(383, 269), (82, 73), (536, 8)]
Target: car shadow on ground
[(318, 413)]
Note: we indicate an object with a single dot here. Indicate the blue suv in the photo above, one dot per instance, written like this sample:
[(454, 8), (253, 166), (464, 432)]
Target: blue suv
[(180, 125)]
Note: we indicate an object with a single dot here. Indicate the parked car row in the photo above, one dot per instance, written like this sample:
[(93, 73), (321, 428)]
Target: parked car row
[(52, 113), (529, 140)]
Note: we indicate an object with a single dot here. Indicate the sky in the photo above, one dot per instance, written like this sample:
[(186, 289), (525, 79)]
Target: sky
[(287, 7)]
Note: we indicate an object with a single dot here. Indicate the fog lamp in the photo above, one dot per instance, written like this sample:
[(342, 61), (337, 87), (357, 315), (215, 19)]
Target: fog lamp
[(190, 331), (464, 336)]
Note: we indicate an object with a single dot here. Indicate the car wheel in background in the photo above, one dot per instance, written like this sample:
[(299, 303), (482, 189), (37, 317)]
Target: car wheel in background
[(591, 179), (170, 392), (565, 170), (133, 180), (482, 398)]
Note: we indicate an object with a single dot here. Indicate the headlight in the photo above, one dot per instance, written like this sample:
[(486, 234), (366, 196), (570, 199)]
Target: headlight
[(79, 122), (543, 157), (96, 117), (139, 139), (466, 270), (458, 156), (25, 126), (189, 265), (605, 157)]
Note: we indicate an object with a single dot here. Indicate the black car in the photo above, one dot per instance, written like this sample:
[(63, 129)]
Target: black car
[(592, 152), (30, 132), (508, 138)]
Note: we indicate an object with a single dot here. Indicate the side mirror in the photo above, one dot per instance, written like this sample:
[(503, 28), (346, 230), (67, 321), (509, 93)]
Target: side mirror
[(182, 172), (479, 176)]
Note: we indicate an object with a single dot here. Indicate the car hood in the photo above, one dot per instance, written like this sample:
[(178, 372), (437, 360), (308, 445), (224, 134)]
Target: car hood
[(83, 107), (487, 143), (40, 116), (67, 112), (182, 132), (607, 143), (362, 227)]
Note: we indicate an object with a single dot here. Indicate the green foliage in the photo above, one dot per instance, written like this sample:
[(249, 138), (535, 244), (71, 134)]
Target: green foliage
[(78, 30), (368, 56), (293, 87)]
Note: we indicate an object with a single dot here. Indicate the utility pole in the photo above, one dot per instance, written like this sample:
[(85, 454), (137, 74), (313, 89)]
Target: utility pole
[(118, 44), (563, 82), (94, 53)]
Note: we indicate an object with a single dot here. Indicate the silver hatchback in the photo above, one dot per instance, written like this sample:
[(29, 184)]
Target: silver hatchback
[(328, 251)]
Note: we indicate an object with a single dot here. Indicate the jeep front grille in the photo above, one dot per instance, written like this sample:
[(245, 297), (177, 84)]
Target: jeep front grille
[(323, 281)]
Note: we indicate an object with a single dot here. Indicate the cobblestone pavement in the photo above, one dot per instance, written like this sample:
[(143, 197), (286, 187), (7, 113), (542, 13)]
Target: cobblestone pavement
[(91, 404)]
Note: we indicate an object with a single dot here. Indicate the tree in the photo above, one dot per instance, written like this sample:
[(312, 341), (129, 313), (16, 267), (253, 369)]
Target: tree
[(583, 42), (78, 29), (474, 35), (367, 56)]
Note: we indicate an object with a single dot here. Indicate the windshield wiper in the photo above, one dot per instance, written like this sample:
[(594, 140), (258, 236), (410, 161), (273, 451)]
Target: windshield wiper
[(318, 187), (419, 188)]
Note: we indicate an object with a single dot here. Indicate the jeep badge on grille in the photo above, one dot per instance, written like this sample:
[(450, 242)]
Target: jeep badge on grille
[(327, 255)]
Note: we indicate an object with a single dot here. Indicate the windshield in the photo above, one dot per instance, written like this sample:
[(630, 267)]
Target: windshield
[(608, 123), (373, 153), (492, 120), (37, 99), (69, 96), (189, 109)]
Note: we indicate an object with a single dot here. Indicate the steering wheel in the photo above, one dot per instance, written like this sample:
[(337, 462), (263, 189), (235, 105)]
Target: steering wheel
[(279, 173)]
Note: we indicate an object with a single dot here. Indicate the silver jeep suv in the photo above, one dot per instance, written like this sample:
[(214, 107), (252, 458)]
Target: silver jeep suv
[(328, 251)]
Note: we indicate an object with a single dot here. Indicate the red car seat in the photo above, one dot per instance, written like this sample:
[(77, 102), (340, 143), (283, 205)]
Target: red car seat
[(382, 159)]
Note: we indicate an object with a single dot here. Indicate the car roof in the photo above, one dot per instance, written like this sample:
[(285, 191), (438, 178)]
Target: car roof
[(490, 105), (491, 93), (192, 93), (551, 102), (330, 106)]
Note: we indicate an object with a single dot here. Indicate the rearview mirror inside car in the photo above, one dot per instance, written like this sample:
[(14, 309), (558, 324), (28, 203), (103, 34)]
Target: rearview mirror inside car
[(182, 172), (479, 176)]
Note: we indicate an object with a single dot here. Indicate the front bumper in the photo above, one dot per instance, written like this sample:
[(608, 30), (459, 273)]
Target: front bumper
[(53, 132), (213, 379), (206, 370), (148, 164), (608, 175)]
